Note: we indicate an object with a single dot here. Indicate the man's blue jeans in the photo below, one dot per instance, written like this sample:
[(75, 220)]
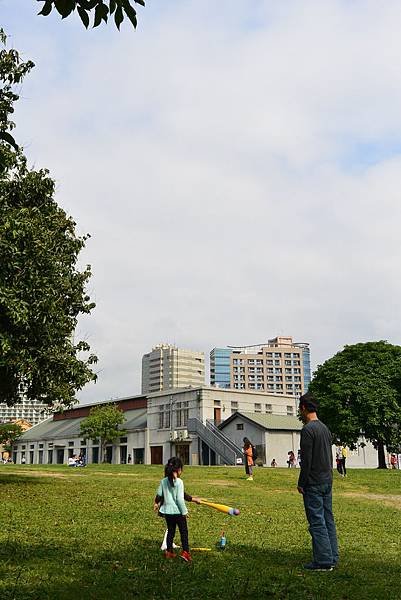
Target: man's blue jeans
[(319, 512)]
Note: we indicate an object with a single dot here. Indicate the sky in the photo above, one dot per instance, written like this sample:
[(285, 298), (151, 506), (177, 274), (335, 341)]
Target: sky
[(237, 164)]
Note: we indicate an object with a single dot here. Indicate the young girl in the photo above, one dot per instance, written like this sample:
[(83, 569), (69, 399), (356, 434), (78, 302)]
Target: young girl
[(173, 508), (248, 459), (187, 498)]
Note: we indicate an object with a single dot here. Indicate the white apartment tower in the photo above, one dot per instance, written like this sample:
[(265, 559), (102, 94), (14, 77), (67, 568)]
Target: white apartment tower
[(167, 367), (31, 411)]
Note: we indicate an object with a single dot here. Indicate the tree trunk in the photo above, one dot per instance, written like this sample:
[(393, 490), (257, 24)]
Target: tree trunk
[(380, 455), (103, 451)]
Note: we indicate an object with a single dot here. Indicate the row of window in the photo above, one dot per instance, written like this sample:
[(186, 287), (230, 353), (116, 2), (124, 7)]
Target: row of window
[(269, 361), (268, 377), (277, 387), (268, 369), (178, 413)]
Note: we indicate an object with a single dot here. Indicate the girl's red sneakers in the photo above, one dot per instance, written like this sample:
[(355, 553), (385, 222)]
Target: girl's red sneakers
[(186, 556)]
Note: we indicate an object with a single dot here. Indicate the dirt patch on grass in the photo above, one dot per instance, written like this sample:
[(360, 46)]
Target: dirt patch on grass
[(219, 482), (389, 500), (42, 474)]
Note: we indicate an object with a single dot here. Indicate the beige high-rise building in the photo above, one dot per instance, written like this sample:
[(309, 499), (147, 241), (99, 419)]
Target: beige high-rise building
[(279, 367), (168, 367)]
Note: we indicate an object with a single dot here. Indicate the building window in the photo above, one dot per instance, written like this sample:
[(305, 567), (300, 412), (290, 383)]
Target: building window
[(258, 407), (182, 414), (268, 408), (240, 426), (71, 444), (123, 440), (164, 416), (234, 405), (290, 410), (161, 417)]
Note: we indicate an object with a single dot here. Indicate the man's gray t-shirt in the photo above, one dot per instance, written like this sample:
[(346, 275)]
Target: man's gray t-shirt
[(316, 454)]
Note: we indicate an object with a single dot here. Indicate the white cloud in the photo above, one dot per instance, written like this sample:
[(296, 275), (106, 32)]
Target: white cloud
[(220, 158)]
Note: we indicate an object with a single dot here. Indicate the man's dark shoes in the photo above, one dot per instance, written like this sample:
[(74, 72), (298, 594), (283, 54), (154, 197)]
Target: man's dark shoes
[(312, 566)]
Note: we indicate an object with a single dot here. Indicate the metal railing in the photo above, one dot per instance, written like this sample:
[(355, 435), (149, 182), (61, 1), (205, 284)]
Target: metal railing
[(219, 443), (210, 424)]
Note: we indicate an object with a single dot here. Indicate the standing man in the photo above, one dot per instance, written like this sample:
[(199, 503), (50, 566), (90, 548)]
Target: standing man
[(315, 485)]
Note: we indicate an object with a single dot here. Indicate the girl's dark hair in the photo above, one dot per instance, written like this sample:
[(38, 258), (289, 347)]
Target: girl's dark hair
[(247, 443), (173, 465)]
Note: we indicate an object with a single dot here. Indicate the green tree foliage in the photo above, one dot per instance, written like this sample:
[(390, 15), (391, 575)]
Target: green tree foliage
[(101, 10), (12, 72), (42, 292), (103, 423), (9, 433), (359, 392)]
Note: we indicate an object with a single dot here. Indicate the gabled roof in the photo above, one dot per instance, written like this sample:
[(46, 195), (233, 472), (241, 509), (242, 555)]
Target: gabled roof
[(49, 429), (267, 421)]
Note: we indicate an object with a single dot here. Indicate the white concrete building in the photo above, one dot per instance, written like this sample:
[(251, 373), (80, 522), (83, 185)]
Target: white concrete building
[(197, 424), (31, 411), (167, 367)]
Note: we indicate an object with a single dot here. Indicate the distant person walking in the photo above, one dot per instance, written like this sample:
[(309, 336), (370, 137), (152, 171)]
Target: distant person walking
[(343, 458), (249, 453), (339, 464), (315, 485)]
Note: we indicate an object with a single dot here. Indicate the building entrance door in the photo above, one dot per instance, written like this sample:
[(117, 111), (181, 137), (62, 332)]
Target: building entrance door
[(109, 454), (60, 456), (217, 415), (123, 455), (182, 452), (156, 455), (205, 454)]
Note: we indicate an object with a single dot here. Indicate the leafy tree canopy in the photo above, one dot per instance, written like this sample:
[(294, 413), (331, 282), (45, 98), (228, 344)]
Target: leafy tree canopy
[(101, 10), (359, 392), (103, 423), (9, 433), (42, 292)]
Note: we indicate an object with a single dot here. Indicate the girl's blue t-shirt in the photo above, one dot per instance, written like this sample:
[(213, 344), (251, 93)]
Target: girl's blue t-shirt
[(173, 497)]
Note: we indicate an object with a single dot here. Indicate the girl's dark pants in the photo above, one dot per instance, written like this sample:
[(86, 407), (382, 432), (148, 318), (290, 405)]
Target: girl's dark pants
[(172, 522)]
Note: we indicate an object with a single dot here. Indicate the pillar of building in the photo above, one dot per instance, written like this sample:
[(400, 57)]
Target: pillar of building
[(147, 457)]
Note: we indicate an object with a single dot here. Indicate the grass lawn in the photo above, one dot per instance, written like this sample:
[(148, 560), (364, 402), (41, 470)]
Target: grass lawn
[(91, 533)]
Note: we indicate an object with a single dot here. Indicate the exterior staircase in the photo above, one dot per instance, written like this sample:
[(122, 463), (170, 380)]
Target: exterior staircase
[(229, 453)]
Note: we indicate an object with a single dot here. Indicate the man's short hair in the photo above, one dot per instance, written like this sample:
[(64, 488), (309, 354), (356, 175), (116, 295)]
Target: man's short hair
[(307, 401)]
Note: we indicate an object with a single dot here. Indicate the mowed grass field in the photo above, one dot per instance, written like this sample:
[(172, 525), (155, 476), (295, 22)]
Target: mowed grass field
[(77, 534)]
